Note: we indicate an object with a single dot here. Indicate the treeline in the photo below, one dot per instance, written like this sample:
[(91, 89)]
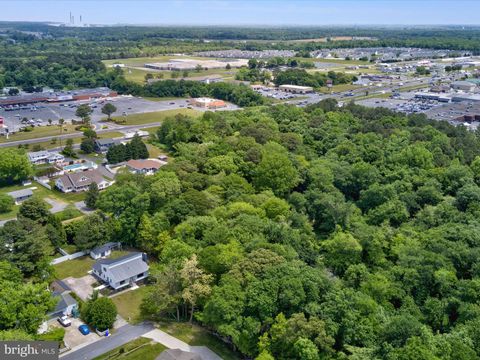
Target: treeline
[(316, 79), (55, 71), (135, 149)]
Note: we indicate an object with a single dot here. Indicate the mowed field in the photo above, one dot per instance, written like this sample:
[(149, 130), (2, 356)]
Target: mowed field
[(152, 117)]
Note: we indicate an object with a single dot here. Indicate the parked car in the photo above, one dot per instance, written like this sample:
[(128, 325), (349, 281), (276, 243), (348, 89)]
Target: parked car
[(64, 321), (84, 329)]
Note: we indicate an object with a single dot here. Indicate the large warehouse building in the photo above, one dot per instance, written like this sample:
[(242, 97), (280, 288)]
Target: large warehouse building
[(296, 89), (82, 94)]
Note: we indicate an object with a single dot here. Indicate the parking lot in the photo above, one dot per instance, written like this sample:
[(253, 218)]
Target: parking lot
[(39, 114)]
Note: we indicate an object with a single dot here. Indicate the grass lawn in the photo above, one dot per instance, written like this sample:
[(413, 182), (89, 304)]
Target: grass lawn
[(139, 349), (40, 192), (152, 117), (74, 268), (198, 336), (339, 88), (128, 304), (70, 248), (79, 267), (38, 132), (11, 214), (154, 151), (70, 212)]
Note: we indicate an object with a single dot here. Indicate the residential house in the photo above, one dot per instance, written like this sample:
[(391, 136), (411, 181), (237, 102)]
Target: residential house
[(66, 304), (80, 181), (145, 167), (102, 145), (21, 195), (104, 250), (45, 157), (123, 271)]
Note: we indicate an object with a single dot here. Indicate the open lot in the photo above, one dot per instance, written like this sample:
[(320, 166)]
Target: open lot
[(197, 336), (80, 267), (128, 303), (139, 349), (153, 117), (52, 196)]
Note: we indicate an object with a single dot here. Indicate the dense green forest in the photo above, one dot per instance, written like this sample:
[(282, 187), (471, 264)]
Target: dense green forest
[(322, 233), (316, 233)]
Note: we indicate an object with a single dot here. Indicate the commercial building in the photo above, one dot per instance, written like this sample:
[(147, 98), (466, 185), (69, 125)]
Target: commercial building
[(296, 89), (74, 95), (465, 97), (122, 272), (80, 181), (463, 85), (207, 103)]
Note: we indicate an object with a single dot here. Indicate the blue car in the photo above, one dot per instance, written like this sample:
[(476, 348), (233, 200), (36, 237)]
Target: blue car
[(84, 329)]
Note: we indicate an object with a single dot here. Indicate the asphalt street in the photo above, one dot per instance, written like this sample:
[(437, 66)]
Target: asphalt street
[(77, 134), (122, 336)]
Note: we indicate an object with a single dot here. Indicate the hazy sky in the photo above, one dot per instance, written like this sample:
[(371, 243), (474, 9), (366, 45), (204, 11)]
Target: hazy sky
[(233, 12)]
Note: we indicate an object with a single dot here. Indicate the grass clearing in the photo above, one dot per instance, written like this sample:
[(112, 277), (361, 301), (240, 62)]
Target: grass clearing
[(81, 266), (152, 117), (198, 336), (153, 151), (70, 212), (38, 191), (39, 132), (138, 349), (128, 304), (339, 88), (74, 268)]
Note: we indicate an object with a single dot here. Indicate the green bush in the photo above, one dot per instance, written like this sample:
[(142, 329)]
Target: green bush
[(6, 203), (56, 334)]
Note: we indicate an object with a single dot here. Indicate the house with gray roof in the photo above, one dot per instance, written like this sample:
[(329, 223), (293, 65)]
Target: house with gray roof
[(66, 304), (104, 250), (80, 181), (45, 157), (123, 271), (21, 195), (102, 145)]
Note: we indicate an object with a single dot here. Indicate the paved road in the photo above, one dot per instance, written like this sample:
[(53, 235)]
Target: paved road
[(77, 134), (123, 335)]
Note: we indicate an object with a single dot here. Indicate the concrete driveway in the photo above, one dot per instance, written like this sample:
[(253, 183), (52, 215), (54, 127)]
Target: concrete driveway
[(73, 337), (81, 286), (56, 205)]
